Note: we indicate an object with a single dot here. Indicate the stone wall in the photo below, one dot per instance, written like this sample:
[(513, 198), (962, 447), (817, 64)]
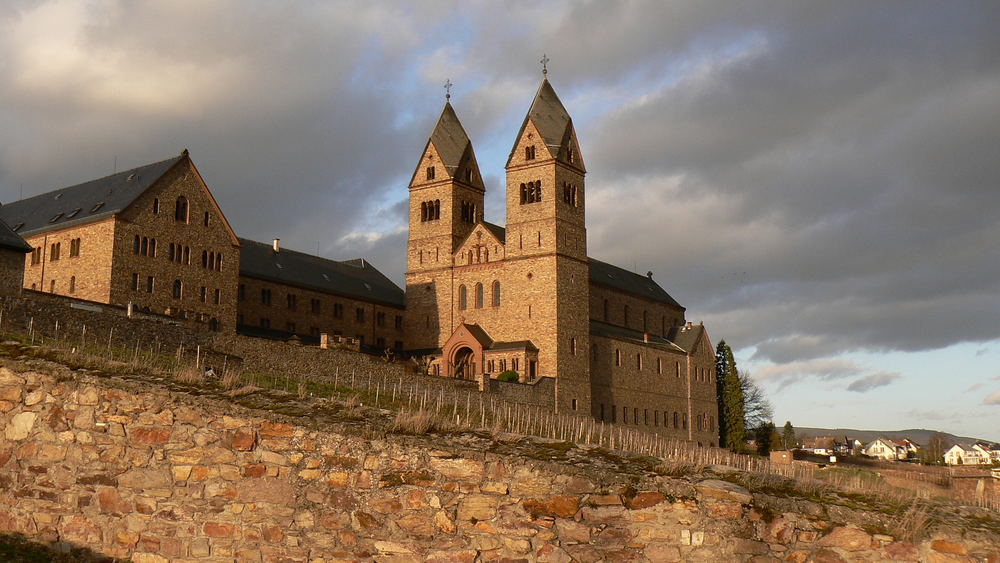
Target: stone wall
[(11, 271), (539, 393), (158, 477)]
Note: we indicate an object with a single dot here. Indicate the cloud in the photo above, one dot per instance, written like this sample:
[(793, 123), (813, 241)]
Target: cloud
[(993, 398), (869, 382), (823, 369), (975, 387), (809, 179)]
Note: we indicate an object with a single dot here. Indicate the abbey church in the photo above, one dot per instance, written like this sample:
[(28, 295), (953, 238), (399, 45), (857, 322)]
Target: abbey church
[(482, 299)]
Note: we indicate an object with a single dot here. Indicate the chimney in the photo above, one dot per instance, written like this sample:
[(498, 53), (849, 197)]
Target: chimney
[(649, 274), (275, 245), (645, 337)]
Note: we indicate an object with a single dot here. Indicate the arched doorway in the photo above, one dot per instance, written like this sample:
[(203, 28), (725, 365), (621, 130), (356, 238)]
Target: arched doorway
[(464, 365)]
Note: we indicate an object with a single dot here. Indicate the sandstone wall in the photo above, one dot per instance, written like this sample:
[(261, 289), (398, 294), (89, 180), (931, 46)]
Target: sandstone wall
[(160, 477)]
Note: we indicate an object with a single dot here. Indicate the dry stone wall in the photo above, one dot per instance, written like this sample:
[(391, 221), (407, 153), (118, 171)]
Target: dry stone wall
[(158, 476)]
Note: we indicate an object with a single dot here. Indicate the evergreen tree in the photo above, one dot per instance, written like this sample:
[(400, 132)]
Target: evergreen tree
[(788, 436), (732, 421), (766, 437)]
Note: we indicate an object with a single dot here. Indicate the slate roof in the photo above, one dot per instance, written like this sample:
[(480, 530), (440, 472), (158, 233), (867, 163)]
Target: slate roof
[(515, 345), (602, 273), (450, 139), (600, 328), (497, 230), (10, 239), (550, 118), (355, 278), (83, 203), (686, 336), (479, 334)]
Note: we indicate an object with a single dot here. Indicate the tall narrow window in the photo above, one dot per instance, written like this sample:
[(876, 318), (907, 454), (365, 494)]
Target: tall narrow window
[(150, 281), (177, 289), (638, 362), (135, 282), (156, 205), (144, 247), (430, 172), (529, 153), (496, 293), (207, 218), (479, 296), (72, 284), (217, 298), (181, 209), (437, 209), (618, 357), (152, 247), (423, 211), (462, 297)]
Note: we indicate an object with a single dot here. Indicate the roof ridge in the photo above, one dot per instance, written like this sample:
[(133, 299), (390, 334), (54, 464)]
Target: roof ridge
[(148, 164)]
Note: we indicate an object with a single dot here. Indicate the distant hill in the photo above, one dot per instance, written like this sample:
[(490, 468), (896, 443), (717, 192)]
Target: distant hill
[(918, 435)]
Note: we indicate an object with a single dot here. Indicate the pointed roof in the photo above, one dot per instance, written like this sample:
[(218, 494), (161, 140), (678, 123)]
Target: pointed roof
[(550, 118), (11, 240), (86, 202), (450, 139)]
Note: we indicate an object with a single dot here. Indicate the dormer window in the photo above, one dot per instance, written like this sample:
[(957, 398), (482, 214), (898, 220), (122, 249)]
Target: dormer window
[(96, 207), (529, 152), (430, 172), (73, 213), (55, 218)]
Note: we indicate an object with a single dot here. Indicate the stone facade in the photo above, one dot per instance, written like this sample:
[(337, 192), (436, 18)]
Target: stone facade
[(11, 271), (484, 299), (144, 254), (310, 312), (139, 473)]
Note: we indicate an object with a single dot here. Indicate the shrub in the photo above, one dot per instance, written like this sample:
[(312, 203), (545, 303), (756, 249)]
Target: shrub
[(509, 375)]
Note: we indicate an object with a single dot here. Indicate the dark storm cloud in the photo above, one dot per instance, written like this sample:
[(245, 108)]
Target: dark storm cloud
[(837, 173), (811, 178)]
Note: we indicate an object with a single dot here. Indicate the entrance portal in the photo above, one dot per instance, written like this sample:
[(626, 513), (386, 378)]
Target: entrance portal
[(464, 364)]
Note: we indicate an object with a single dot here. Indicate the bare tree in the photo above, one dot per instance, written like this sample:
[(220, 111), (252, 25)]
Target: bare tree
[(757, 410)]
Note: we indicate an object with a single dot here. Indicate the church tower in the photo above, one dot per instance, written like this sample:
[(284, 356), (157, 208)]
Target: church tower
[(446, 201), (546, 244)]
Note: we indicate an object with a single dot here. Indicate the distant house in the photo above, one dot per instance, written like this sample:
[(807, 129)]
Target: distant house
[(890, 450), (979, 453), (821, 445)]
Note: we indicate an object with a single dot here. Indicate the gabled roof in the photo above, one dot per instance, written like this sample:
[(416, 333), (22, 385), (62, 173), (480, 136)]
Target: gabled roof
[(602, 273), (550, 118), (355, 278), (11, 240), (86, 202), (600, 328), (497, 230), (686, 336)]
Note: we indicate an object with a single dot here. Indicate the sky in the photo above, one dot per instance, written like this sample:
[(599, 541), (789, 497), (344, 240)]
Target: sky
[(819, 182)]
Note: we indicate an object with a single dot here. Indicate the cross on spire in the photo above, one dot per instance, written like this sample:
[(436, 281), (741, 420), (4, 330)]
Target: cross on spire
[(447, 89), (545, 62)]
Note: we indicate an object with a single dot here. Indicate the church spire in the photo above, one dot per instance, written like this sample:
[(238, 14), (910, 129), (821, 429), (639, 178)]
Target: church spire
[(549, 117), (452, 146)]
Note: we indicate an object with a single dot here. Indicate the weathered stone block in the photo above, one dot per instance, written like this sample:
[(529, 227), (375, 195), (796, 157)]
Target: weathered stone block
[(847, 538), (20, 426)]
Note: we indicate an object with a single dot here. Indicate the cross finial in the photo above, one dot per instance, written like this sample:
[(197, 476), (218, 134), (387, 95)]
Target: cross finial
[(545, 62), (447, 89)]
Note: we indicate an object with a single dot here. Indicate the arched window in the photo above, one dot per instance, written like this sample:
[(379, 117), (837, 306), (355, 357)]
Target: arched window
[(618, 357), (479, 296), (470, 257), (170, 256), (538, 190), (156, 205), (437, 208), (676, 419), (152, 247), (72, 284), (218, 262), (423, 211), (496, 293), (144, 246), (204, 259), (177, 289), (135, 245), (181, 209), (462, 297), (524, 194), (529, 153)]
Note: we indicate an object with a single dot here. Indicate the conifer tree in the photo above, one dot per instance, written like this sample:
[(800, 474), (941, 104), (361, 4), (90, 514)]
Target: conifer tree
[(732, 428), (788, 436)]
